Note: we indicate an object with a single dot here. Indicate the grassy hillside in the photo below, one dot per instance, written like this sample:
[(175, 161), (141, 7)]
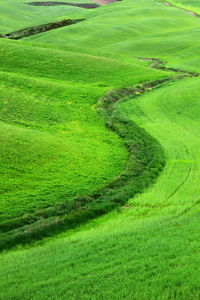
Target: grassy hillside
[(125, 30), (49, 113), (16, 15), (192, 5), (55, 147), (147, 250)]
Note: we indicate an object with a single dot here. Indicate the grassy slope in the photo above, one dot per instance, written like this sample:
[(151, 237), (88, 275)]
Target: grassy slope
[(150, 249), (124, 30), (147, 251), (64, 150), (16, 15), (192, 5)]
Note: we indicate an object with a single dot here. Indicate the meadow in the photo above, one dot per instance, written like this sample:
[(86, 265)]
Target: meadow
[(55, 147), (16, 15), (186, 4)]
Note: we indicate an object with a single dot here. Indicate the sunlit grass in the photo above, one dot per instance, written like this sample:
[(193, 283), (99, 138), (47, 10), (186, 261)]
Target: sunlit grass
[(54, 141)]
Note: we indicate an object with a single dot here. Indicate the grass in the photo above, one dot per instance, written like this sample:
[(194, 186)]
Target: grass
[(50, 87), (145, 162), (56, 108), (171, 34), (187, 4), (153, 240), (16, 15)]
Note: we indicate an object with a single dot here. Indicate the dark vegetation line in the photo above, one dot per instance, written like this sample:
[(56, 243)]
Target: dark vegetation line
[(52, 3), (146, 161), (19, 34), (29, 31), (83, 5), (161, 65), (184, 9)]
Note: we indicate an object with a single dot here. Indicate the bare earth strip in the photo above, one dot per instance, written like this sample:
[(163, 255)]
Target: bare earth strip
[(52, 3), (84, 5), (105, 2)]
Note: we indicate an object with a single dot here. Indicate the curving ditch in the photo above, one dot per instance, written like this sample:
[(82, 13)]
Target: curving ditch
[(157, 63), (146, 161)]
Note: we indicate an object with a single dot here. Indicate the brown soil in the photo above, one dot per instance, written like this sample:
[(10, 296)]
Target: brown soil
[(105, 2), (167, 3), (53, 3), (192, 13)]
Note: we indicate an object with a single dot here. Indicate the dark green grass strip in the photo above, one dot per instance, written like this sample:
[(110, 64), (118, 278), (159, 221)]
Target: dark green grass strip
[(145, 162), (19, 34), (161, 65)]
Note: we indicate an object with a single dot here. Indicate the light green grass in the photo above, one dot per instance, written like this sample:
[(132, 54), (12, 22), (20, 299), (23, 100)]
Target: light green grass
[(16, 15), (63, 148), (192, 5), (148, 249), (133, 28)]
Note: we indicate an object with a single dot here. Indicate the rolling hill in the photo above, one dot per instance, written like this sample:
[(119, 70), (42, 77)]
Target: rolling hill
[(100, 152)]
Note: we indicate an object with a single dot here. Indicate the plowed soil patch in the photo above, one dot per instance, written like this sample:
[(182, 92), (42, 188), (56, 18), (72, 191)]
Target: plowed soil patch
[(52, 3)]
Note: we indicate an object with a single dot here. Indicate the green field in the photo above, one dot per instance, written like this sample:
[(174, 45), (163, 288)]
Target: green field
[(16, 15), (70, 154), (192, 5)]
